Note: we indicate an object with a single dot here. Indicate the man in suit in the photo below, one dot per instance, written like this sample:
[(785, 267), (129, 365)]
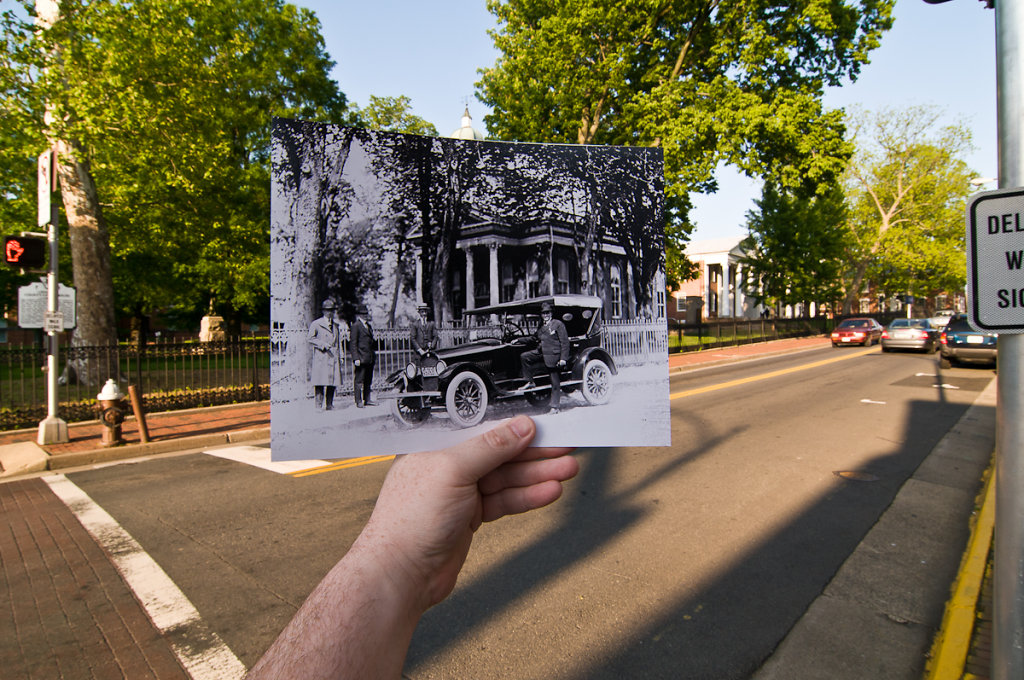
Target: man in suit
[(325, 368), (552, 353), (364, 355), (424, 335)]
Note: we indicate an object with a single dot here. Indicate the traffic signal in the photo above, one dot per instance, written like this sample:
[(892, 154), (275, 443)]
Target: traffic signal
[(26, 252)]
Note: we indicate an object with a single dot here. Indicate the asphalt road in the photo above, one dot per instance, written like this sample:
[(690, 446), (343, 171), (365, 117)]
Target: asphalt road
[(689, 561)]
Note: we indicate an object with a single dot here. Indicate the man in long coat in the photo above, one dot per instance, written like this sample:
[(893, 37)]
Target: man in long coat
[(552, 353), (424, 335), (325, 368), (364, 356)]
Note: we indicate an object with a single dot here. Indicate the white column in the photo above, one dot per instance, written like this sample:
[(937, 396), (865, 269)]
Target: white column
[(495, 277), (470, 279), (741, 297), (419, 279)]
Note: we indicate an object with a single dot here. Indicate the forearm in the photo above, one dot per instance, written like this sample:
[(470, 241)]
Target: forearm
[(356, 624)]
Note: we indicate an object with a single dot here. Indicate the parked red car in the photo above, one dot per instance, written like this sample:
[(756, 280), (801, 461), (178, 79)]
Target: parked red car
[(857, 331)]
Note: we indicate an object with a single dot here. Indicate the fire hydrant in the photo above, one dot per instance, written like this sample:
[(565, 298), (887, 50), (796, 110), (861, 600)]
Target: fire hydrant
[(112, 413)]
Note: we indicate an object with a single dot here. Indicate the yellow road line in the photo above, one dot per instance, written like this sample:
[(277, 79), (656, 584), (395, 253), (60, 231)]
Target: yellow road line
[(772, 374), (949, 653), (341, 465), (367, 460)]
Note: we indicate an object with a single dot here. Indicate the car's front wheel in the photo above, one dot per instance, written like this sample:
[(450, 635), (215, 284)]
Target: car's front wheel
[(597, 382), (466, 399), (410, 411)]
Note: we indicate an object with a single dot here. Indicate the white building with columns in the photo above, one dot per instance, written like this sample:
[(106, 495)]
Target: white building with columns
[(721, 283)]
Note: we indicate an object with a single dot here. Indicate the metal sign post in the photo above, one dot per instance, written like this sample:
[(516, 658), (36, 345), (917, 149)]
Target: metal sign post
[(52, 430), (1008, 567)]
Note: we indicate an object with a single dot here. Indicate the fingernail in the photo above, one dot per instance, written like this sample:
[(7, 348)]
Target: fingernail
[(520, 425)]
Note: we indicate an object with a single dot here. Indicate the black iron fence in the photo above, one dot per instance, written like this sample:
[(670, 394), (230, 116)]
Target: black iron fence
[(168, 376), (173, 375)]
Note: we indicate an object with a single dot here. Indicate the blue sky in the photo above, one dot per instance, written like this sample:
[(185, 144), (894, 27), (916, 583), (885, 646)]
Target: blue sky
[(940, 55)]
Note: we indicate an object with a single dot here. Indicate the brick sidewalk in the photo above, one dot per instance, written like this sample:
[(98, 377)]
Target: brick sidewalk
[(162, 427), (66, 613)]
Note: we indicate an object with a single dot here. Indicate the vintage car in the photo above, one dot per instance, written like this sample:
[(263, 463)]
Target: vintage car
[(461, 381)]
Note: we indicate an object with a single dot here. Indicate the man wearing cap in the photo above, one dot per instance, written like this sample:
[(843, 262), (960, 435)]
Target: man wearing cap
[(424, 335), (552, 353), (325, 368), (363, 355)]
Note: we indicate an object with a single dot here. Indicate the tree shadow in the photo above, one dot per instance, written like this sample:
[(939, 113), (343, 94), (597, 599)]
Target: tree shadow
[(595, 517), (734, 623)]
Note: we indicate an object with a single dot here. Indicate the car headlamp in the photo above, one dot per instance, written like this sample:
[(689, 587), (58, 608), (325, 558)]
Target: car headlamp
[(440, 367), (410, 370)]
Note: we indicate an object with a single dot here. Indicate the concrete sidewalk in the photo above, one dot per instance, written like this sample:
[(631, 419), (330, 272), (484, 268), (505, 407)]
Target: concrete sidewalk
[(73, 617)]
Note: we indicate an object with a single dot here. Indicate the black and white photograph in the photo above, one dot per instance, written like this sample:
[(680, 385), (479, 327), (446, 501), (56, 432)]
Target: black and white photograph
[(425, 288)]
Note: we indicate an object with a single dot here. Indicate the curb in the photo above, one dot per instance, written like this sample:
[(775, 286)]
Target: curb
[(28, 457), (68, 460), (674, 370), (952, 644)]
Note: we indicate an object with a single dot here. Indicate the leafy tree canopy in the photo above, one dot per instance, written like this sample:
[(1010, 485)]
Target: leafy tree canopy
[(391, 114), (907, 187), (709, 81), (797, 246), (170, 103)]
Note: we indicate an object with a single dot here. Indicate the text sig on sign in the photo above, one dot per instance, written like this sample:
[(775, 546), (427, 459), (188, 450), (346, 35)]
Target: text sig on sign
[(995, 260)]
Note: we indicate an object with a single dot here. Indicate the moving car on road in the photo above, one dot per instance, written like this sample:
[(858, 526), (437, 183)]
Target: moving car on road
[(857, 331), (917, 334), (959, 342), (462, 381)]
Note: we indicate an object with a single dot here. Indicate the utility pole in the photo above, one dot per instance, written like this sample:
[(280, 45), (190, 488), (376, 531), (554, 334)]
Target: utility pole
[(52, 430), (1008, 566)]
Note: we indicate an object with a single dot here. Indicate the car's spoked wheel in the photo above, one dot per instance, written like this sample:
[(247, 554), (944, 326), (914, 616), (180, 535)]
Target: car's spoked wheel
[(466, 399), (597, 382), (409, 411)]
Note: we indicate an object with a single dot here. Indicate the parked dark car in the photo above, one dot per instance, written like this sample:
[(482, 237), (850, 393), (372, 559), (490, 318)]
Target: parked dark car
[(917, 334), (462, 381), (857, 331), (959, 342)]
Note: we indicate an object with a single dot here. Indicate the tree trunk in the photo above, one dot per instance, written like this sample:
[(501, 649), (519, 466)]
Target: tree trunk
[(90, 262)]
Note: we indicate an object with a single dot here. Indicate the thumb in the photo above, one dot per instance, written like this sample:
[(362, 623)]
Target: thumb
[(481, 454)]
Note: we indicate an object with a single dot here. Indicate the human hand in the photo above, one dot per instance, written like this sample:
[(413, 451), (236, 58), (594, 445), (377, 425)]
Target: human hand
[(561, 363), (356, 362), (431, 503)]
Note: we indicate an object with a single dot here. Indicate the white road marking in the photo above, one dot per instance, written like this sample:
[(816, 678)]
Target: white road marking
[(871, 401), (946, 387), (259, 456), (200, 650)]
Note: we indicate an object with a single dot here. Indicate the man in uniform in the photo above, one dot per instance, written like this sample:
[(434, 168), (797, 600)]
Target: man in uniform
[(325, 369), (424, 335), (552, 353), (364, 355)]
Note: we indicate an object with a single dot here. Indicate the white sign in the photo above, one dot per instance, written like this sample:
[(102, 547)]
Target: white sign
[(52, 322), (47, 183), (995, 261), (32, 305)]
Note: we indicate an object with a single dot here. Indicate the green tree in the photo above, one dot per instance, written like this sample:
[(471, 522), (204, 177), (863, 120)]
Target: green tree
[(392, 114), (711, 82), (797, 247), (163, 108), (907, 187)]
